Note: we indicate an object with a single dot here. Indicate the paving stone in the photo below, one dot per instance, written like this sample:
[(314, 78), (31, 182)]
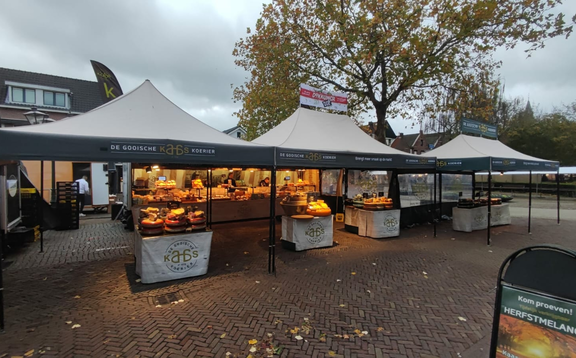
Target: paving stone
[(418, 313)]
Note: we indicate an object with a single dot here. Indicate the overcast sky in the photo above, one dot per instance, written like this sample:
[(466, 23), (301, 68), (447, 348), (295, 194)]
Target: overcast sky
[(185, 49)]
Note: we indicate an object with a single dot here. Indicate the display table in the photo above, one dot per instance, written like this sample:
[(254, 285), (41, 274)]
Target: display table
[(376, 224), (472, 219), (172, 257), (305, 234)]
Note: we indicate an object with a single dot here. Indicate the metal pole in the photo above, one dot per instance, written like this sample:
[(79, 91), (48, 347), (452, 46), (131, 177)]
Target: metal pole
[(41, 206), (272, 232), (529, 201), (209, 202), (558, 193), (440, 195), (489, 202), (53, 191), (1, 282), (434, 216), (473, 185)]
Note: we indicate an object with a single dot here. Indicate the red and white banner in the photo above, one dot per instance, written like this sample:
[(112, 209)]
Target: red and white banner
[(314, 97)]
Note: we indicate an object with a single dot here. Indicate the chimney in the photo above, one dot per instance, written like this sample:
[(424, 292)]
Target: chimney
[(401, 135)]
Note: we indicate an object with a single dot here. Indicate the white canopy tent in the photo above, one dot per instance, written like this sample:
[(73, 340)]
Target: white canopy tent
[(140, 126), (318, 139)]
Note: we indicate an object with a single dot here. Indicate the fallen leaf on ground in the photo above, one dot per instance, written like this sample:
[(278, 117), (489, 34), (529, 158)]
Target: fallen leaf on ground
[(253, 349), (68, 322), (172, 336), (45, 278), (374, 263), (158, 306), (278, 321), (246, 252), (298, 338), (424, 272), (380, 329), (306, 318), (331, 353), (346, 336), (138, 280), (76, 297), (257, 281), (342, 305), (338, 280), (76, 326), (223, 335), (322, 337), (270, 335), (338, 335), (462, 319), (209, 327), (365, 333), (295, 330), (29, 353), (252, 341), (353, 273), (368, 291)]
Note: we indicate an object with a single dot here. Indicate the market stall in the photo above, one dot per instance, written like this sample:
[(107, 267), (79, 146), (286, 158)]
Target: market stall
[(476, 154), (144, 127), (332, 142)]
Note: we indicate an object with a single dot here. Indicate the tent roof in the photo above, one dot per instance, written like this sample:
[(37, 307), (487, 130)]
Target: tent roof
[(141, 119), (475, 153), (336, 141)]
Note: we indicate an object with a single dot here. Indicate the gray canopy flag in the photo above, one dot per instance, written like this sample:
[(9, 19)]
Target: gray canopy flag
[(140, 126)]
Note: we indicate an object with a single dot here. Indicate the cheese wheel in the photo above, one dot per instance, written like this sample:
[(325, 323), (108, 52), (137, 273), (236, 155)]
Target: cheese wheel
[(157, 231), (149, 224)]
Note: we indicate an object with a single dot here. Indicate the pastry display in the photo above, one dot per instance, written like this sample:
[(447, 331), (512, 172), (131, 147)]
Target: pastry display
[(318, 208), (165, 184), (378, 203), (358, 201), (197, 184)]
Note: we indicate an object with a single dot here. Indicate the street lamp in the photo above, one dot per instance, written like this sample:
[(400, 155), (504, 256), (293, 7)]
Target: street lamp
[(35, 116)]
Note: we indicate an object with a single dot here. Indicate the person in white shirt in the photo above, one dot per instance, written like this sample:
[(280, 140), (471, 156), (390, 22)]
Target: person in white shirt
[(83, 190)]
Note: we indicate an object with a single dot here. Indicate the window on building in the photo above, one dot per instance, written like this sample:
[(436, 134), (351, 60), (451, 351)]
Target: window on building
[(23, 95), (54, 99), (238, 135)]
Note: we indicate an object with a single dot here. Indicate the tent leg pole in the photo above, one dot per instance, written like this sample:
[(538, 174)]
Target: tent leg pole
[(53, 191), (434, 211), (41, 206), (529, 201), (488, 242), (272, 231), (440, 197), (2, 232), (558, 193)]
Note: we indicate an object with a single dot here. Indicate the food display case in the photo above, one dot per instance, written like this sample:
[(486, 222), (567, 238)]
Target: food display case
[(372, 217), (471, 215)]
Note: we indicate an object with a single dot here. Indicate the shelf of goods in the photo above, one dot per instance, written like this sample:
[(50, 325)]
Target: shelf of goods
[(170, 247), (241, 205), (372, 223), (468, 219)]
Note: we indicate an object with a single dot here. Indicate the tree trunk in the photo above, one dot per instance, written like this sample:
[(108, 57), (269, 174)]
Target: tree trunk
[(381, 123)]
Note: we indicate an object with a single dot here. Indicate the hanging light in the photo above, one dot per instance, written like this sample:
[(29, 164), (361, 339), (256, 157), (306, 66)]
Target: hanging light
[(155, 166), (148, 170)]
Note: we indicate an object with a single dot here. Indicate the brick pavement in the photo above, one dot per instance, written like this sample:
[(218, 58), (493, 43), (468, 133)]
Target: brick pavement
[(407, 293)]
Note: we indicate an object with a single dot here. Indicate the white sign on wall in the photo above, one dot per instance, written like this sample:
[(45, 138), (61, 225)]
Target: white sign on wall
[(314, 97)]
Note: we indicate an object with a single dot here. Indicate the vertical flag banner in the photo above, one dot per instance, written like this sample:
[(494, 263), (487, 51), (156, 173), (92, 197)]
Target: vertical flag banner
[(314, 97), (109, 86)]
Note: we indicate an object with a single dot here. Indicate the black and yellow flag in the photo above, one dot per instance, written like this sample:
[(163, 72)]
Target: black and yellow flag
[(109, 86)]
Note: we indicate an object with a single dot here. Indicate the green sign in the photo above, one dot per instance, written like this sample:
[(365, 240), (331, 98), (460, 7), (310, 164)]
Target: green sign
[(469, 126), (535, 326)]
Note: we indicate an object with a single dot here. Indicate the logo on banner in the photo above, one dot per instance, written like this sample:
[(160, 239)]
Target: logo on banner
[(181, 256), (315, 97), (315, 232), (390, 223), (175, 150)]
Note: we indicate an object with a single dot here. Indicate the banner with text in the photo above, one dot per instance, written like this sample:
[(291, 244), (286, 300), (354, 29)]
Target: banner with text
[(533, 325), (469, 126), (107, 82), (314, 97)]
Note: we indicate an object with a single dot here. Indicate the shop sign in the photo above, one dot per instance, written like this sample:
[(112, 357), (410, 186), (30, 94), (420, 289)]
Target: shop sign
[(181, 256), (420, 161), (534, 325), (166, 149), (315, 232), (445, 163), (390, 223), (307, 156), (372, 159), (314, 97), (483, 129)]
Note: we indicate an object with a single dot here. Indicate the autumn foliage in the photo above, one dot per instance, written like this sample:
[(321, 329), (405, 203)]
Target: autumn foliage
[(392, 57)]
